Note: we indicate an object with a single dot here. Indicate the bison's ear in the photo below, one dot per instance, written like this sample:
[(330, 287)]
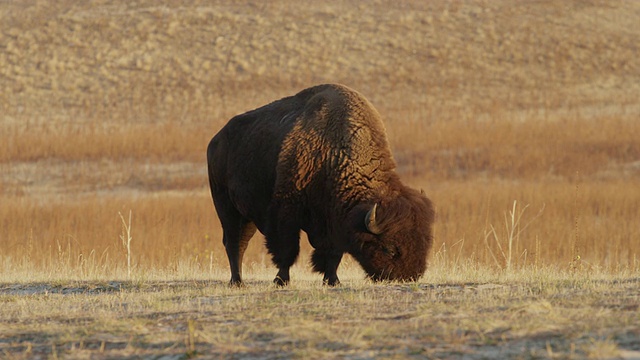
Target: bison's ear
[(422, 192), (370, 221)]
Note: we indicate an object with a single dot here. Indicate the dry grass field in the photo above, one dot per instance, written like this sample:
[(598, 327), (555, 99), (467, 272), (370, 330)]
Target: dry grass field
[(532, 315), (519, 119)]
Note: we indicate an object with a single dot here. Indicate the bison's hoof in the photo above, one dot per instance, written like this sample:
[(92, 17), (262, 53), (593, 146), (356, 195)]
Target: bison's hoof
[(328, 282), (280, 281), (236, 283)]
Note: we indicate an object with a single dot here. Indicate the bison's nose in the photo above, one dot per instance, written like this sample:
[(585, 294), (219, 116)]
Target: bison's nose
[(390, 275), (407, 277)]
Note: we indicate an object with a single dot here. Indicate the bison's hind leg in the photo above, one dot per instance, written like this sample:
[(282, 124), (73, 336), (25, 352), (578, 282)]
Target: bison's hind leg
[(236, 241), (326, 262), (236, 232)]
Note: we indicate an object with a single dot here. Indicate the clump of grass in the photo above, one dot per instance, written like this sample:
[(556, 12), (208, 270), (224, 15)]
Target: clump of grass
[(513, 227), (602, 349)]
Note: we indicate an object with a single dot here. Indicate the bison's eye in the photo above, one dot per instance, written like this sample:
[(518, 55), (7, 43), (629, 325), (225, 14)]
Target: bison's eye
[(391, 250)]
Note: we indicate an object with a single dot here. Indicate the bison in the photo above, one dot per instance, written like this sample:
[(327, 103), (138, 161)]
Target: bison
[(318, 161)]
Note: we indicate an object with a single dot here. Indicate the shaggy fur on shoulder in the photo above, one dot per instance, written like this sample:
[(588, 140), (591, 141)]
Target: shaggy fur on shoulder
[(319, 162)]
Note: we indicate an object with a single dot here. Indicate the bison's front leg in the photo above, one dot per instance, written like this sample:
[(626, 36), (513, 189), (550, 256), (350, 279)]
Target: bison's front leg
[(284, 249), (283, 243), (327, 262)]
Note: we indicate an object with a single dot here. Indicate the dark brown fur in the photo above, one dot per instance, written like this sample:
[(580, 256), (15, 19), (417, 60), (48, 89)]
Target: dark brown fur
[(317, 161)]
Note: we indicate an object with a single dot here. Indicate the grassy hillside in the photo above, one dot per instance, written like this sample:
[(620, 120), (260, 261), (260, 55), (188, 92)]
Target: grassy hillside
[(199, 61)]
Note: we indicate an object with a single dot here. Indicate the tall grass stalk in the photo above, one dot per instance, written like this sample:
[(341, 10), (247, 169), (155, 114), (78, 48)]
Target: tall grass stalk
[(126, 238)]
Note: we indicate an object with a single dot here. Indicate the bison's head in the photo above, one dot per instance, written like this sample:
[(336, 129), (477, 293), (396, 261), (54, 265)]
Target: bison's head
[(394, 237)]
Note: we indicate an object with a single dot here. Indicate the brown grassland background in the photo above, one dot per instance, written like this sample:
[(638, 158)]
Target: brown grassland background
[(519, 119)]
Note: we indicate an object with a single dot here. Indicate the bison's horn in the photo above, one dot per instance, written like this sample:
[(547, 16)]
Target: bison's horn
[(370, 221)]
